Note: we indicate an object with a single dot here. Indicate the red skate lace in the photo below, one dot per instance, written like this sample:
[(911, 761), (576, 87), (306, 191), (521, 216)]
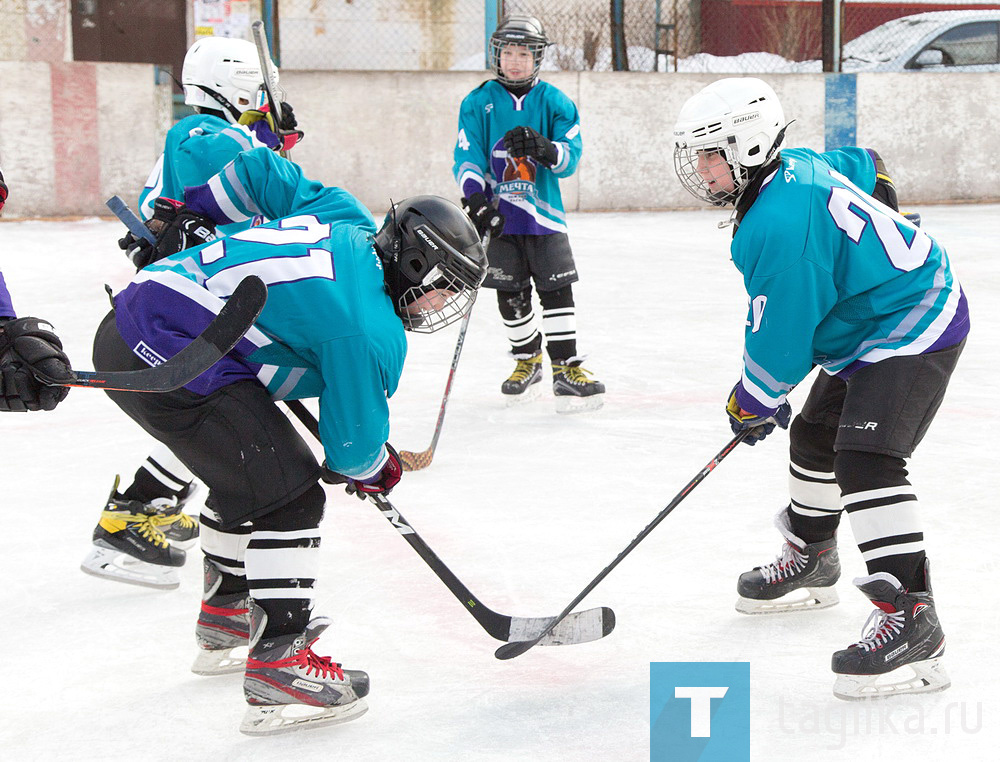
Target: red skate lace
[(788, 563), (323, 665), (886, 626)]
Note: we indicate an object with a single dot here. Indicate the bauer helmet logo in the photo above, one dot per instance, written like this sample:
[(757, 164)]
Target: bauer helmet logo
[(746, 118), (427, 240)]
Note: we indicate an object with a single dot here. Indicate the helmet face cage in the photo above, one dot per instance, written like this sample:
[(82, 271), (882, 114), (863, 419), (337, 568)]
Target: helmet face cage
[(526, 31), (431, 282), (686, 159)]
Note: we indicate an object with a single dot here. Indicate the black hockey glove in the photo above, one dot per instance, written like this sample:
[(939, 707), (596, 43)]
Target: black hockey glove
[(759, 425), (524, 141), (381, 484), (27, 345), (483, 215), (176, 228)]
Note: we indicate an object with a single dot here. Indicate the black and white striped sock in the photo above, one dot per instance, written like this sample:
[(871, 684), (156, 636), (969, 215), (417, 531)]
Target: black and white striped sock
[(160, 475)]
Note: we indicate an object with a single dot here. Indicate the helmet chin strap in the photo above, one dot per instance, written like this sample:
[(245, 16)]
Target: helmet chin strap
[(226, 105), (751, 176)]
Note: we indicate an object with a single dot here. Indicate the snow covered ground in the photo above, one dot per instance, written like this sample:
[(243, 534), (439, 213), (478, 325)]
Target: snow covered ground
[(526, 507)]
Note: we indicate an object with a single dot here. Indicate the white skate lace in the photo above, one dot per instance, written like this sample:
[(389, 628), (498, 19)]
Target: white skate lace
[(790, 562), (885, 628)]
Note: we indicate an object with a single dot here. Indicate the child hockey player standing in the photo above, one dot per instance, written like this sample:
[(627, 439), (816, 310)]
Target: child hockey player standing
[(517, 136), (836, 278), (142, 533), (341, 293)]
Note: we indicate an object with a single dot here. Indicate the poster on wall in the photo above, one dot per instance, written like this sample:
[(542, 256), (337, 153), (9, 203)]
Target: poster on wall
[(222, 18)]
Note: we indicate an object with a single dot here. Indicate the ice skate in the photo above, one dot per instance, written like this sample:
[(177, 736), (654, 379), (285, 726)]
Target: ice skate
[(523, 383), (180, 528), (900, 652), (801, 578), (288, 687), (575, 391), (129, 547), (223, 628)]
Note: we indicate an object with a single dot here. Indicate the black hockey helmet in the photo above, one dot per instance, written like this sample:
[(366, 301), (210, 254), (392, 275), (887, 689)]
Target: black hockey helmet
[(433, 260), (518, 30)]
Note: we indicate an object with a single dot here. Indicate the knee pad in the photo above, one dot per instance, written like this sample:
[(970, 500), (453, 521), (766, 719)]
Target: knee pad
[(859, 471), (560, 298), (811, 445), (514, 305), (304, 512)]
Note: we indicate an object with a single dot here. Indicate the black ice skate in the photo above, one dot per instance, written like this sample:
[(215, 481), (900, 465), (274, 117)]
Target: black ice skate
[(901, 650), (288, 687), (223, 628), (575, 391), (522, 386), (129, 547), (180, 528), (801, 578)]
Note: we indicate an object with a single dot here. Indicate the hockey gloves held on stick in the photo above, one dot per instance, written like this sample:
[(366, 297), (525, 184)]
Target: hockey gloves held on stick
[(758, 426), (380, 484), (176, 228), (524, 141), (261, 124), (27, 344), (483, 215)]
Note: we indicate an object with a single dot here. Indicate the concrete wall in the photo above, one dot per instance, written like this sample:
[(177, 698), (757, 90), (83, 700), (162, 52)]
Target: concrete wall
[(391, 134), (73, 134)]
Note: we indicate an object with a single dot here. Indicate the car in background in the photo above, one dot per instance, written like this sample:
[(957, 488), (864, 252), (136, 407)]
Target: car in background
[(967, 40)]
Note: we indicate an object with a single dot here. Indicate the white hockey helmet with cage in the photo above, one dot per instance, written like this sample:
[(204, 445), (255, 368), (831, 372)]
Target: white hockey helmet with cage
[(518, 29), (738, 118), (223, 74)]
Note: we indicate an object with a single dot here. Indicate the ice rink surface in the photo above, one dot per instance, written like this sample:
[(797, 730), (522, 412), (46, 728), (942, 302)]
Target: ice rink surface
[(526, 507)]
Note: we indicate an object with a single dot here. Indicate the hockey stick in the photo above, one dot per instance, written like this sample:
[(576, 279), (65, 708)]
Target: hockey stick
[(510, 650), (130, 219), (210, 346), (270, 75), (414, 461), (581, 627)]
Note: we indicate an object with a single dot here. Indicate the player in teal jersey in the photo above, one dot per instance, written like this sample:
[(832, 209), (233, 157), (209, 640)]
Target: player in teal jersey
[(517, 137), (143, 529), (341, 292), (836, 278)]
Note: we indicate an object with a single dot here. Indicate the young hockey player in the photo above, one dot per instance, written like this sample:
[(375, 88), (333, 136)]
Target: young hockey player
[(836, 277), (143, 530), (25, 344), (341, 293), (517, 136)]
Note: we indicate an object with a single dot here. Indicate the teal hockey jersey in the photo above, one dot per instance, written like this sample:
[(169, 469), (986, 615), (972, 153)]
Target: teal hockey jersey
[(529, 194), (835, 278), (328, 329), (196, 148)]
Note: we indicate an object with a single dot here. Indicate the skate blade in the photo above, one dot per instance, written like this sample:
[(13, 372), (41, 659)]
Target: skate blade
[(566, 405), (222, 661), (926, 676), (805, 599), (530, 394), (113, 564), (284, 718)]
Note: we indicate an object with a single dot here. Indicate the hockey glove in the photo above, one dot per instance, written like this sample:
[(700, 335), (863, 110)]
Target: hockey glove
[(759, 425), (3, 192), (28, 344), (524, 141), (261, 124), (176, 228), (380, 484), (483, 215)]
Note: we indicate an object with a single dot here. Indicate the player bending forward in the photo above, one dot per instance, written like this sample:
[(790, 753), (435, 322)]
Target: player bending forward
[(341, 293), (143, 530), (836, 277)]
